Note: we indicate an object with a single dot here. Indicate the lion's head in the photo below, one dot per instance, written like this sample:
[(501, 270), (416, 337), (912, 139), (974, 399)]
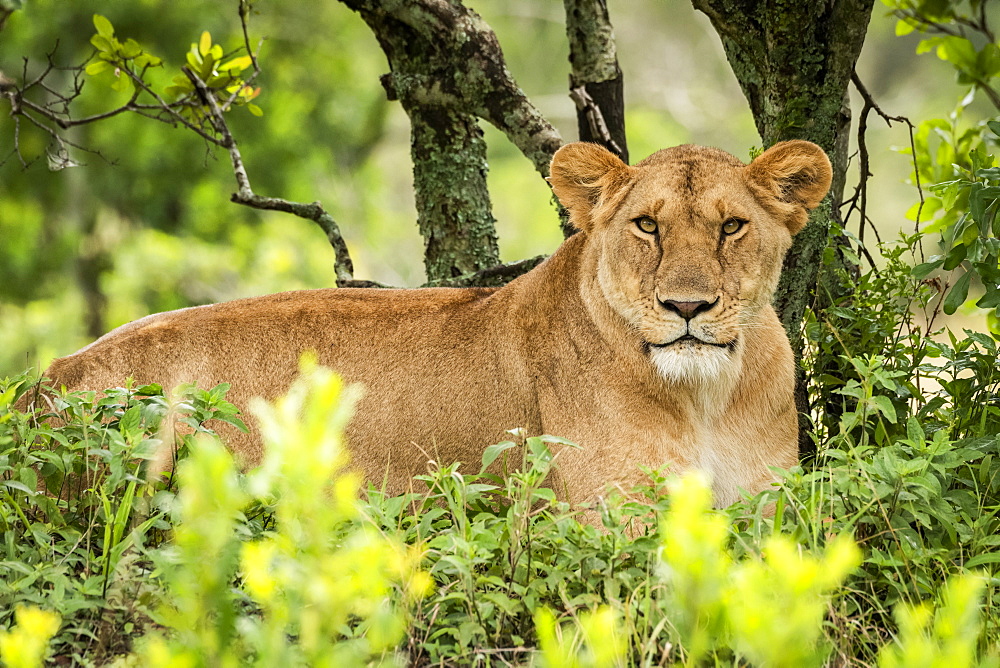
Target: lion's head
[(687, 245)]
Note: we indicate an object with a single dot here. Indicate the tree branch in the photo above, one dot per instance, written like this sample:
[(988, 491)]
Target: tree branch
[(593, 127), (491, 276), (468, 73), (596, 84), (343, 266)]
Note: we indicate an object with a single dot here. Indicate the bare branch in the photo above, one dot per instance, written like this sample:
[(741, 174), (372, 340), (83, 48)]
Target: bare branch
[(859, 200), (491, 276), (343, 266), (598, 128), (596, 83)]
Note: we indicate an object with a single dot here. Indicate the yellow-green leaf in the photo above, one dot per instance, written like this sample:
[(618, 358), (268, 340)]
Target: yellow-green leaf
[(255, 110), (102, 43), (205, 44), (146, 60), (131, 49), (121, 83), (97, 67), (104, 27), (239, 63)]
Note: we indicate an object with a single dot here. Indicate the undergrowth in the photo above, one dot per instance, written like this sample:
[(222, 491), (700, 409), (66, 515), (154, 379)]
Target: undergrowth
[(881, 550)]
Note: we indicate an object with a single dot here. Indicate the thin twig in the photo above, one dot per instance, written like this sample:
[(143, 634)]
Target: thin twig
[(343, 266), (871, 105), (490, 276), (244, 11), (595, 119)]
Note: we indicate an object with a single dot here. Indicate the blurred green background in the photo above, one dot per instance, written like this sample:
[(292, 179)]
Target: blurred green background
[(146, 225)]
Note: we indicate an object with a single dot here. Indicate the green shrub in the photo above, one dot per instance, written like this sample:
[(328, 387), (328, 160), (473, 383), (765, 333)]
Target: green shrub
[(76, 514)]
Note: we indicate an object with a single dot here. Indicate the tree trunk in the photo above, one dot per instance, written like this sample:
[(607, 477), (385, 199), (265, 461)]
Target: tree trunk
[(447, 68), (794, 61), (453, 203)]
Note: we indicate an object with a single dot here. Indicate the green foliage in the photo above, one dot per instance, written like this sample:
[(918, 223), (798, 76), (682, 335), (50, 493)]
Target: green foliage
[(955, 160), (907, 456), (282, 566), (942, 638), (719, 604), (126, 61), (972, 238), (26, 645), (75, 510)]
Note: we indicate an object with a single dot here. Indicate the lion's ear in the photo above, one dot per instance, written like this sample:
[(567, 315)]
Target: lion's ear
[(796, 173), (588, 179)]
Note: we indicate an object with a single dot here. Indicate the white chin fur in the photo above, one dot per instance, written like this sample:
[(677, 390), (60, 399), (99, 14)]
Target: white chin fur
[(693, 363)]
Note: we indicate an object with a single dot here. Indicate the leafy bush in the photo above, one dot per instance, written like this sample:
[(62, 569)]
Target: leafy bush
[(285, 566), (75, 511)]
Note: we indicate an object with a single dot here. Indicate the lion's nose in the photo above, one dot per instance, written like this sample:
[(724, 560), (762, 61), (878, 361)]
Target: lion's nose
[(688, 310)]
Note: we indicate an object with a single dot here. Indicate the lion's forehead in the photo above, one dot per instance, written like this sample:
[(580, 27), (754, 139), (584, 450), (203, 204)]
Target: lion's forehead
[(696, 188)]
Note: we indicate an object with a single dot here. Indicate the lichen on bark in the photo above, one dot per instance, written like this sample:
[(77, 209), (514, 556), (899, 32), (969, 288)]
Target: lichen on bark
[(447, 68), (453, 202), (794, 62)]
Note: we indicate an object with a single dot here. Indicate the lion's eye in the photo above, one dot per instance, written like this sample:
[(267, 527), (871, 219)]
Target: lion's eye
[(646, 224), (733, 225)]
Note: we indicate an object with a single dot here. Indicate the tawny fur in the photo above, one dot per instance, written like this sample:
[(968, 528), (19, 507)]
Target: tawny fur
[(575, 348)]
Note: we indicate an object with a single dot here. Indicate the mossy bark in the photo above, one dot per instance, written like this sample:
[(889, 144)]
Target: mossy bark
[(447, 70), (453, 202), (794, 61), (594, 66)]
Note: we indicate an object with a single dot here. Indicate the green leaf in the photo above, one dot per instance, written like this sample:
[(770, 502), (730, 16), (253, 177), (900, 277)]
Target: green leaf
[(121, 83), (254, 109), (957, 295), (980, 560), (955, 256), (131, 48), (20, 486), (958, 51), (104, 27), (976, 204), (146, 60), (988, 61), (239, 64), (545, 494), (492, 452), (994, 126), (991, 299), (102, 44), (97, 67), (129, 423), (922, 270)]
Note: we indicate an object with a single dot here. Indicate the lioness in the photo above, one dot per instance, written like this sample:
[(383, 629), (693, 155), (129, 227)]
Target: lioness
[(648, 337)]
